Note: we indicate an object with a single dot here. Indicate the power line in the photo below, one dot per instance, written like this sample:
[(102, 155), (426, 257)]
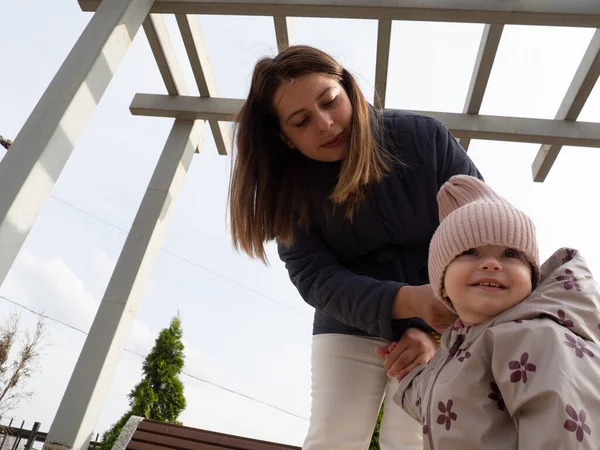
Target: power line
[(144, 357), (64, 202), (204, 268), (246, 396), (42, 315), (232, 281), (235, 282)]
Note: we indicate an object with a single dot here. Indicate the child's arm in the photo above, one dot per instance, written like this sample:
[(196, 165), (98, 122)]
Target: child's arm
[(412, 389), (409, 393), (547, 377)]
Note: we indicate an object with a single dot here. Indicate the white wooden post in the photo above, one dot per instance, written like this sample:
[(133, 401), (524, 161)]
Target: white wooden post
[(41, 149), (83, 399)]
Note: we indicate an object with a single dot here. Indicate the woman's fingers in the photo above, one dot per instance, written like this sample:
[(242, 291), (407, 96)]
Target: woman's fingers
[(397, 353), (415, 348)]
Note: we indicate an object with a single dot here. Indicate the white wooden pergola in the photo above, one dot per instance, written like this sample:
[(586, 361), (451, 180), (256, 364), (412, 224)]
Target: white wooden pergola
[(39, 153)]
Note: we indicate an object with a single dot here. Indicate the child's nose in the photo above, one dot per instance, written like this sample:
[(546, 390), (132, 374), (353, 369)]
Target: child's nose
[(490, 264)]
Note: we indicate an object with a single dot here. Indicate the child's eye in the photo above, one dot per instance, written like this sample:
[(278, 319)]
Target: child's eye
[(511, 253), (471, 251)]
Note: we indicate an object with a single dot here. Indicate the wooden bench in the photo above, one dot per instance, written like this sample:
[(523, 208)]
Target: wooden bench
[(145, 434)]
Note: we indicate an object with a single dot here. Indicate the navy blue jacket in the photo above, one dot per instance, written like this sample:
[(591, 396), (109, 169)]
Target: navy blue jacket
[(350, 271)]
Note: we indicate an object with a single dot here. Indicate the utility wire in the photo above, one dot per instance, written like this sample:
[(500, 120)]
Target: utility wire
[(144, 357), (183, 258)]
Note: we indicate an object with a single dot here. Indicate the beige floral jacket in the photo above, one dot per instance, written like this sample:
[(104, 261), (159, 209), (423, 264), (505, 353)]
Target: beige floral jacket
[(527, 379)]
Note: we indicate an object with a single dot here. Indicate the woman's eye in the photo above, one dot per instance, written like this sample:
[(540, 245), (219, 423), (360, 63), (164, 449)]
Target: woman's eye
[(511, 253), (471, 251), (302, 123), (331, 102)]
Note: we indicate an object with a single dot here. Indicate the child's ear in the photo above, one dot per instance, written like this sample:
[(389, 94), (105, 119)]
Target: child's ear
[(445, 297)]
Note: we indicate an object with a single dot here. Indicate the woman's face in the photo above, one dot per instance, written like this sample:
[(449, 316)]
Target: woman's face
[(315, 116)]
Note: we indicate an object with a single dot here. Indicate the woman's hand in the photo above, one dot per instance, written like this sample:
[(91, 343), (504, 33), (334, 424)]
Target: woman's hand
[(420, 301), (415, 348)]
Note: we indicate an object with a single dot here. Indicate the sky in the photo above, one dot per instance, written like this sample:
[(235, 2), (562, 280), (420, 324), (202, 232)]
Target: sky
[(247, 331)]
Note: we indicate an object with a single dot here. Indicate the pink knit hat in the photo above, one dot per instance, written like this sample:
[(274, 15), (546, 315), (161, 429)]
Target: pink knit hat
[(473, 215)]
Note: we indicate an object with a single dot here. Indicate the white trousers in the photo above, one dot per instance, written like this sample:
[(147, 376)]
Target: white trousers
[(348, 385)]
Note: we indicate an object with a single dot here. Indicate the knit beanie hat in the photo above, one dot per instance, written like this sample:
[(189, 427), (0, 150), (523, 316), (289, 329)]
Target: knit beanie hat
[(473, 215)]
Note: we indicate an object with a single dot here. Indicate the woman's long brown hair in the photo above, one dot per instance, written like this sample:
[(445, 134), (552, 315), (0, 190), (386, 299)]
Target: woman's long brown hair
[(269, 193)]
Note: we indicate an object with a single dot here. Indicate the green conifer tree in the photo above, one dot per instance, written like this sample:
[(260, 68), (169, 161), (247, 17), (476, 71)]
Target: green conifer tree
[(159, 395)]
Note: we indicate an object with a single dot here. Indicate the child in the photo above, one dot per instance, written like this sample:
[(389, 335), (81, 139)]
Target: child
[(519, 369)]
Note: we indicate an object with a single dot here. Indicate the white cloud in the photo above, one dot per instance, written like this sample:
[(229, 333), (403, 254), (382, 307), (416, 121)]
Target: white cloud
[(53, 288), (50, 286), (140, 338)]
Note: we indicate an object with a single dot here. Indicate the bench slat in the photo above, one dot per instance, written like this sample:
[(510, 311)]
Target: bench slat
[(161, 433), (173, 442), (136, 445)]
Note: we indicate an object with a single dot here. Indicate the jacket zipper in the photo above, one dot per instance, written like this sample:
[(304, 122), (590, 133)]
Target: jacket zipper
[(459, 340)]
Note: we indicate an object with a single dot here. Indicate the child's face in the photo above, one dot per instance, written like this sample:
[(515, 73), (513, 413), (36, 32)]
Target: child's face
[(485, 281)]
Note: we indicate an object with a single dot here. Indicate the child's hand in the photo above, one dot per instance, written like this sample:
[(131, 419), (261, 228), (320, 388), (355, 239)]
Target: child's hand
[(414, 349), (385, 351)]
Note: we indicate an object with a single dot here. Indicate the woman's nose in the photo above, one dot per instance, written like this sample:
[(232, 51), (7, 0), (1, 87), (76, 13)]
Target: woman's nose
[(324, 122)]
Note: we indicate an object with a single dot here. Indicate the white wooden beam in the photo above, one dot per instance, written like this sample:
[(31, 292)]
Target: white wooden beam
[(164, 53), (83, 400), (490, 40), (384, 37), (474, 126), (283, 32), (185, 107), (197, 52), (43, 146), (580, 89), (572, 13)]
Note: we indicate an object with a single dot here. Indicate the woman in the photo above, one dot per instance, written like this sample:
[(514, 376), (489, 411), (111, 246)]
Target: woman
[(350, 196)]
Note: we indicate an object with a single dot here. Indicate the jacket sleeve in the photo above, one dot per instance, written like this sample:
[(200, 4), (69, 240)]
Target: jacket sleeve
[(356, 300), (548, 387), (410, 394), (451, 158)]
